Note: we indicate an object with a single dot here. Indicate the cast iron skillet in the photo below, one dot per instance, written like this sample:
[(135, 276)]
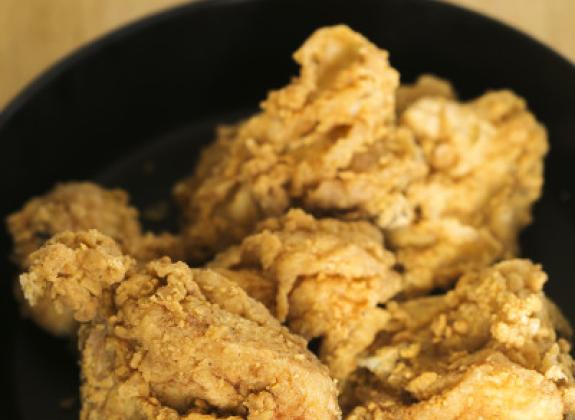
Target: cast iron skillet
[(148, 96)]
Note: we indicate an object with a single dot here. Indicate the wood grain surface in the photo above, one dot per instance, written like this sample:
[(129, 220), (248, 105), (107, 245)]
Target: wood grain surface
[(36, 33)]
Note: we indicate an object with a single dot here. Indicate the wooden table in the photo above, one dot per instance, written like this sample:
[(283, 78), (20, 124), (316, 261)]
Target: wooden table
[(35, 33)]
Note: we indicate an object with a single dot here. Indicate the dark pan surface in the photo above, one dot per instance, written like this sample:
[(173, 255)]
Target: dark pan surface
[(149, 95)]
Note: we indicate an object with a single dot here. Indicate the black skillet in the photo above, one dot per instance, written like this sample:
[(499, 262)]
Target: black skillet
[(134, 108)]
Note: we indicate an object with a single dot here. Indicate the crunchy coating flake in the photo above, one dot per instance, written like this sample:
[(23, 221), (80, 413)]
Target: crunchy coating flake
[(494, 388), (172, 342), (487, 348), (73, 273), (486, 170), (77, 206), (71, 206), (314, 131), (323, 277), (426, 85)]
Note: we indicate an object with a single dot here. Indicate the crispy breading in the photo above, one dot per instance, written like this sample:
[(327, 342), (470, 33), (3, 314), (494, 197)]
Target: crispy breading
[(76, 206), (493, 388), (71, 206), (161, 340), (450, 184), (308, 134), (426, 85), (486, 170), (73, 273), (323, 277), (489, 348)]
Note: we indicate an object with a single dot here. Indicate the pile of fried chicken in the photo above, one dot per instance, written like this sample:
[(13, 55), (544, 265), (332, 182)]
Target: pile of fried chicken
[(351, 253)]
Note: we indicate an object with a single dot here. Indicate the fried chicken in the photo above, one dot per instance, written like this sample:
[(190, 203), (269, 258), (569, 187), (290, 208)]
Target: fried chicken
[(344, 192), (486, 170), (76, 206), (161, 340), (487, 349), (426, 86), (323, 277), (450, 184), (309, 134)]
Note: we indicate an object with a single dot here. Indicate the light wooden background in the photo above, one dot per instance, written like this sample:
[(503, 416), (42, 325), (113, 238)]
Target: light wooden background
[(35, 33)]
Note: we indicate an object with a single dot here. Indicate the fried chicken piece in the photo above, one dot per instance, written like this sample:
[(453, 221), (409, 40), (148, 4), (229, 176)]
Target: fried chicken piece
[(323, 277), (487, 349), (323, 132), (78, 206), (163, 341), (486, 170), (451, 185), (493, 388), (426, 85), (73, 272), (71, 206)]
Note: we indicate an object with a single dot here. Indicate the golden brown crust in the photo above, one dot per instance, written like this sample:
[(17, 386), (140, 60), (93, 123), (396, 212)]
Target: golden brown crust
[(426, 86), (491, 336), (494, 388), (486, 161), (77, 206), (451, 184), (71, 207), (323, 277), (162, 340), (308, 133), (72, 272)]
